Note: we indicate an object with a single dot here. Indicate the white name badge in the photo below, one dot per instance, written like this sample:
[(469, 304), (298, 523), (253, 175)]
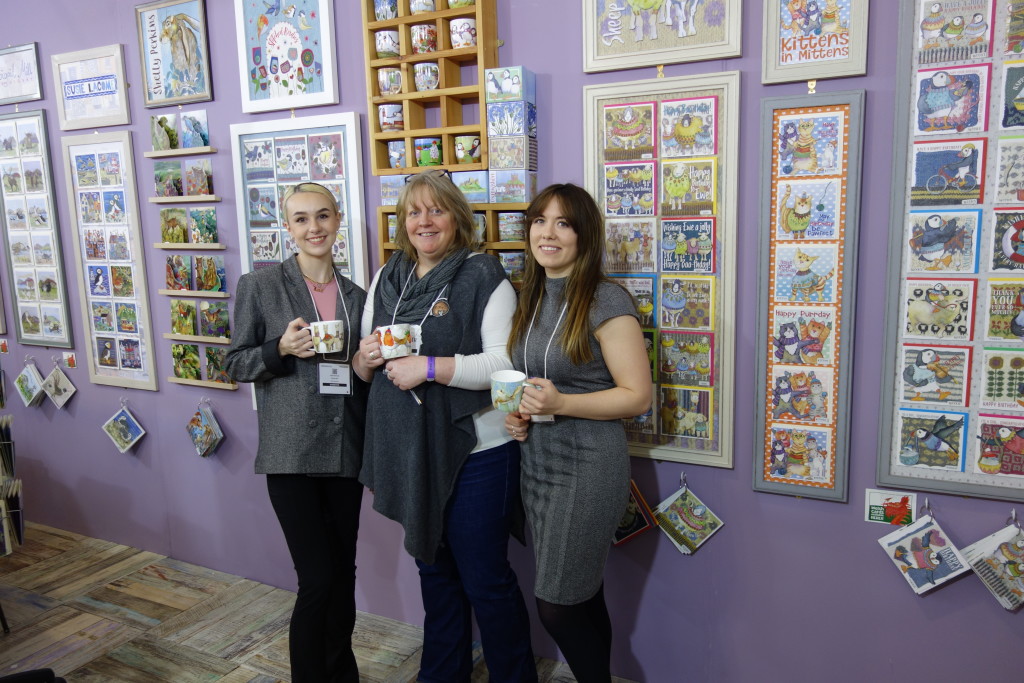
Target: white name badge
[(335, 378)]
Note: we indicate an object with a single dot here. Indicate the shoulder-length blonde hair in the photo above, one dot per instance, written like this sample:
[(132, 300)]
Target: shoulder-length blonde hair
[(584, 217), (446, 196)]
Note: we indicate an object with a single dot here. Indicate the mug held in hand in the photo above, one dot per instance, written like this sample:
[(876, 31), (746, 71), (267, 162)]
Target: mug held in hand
[(399, 340)]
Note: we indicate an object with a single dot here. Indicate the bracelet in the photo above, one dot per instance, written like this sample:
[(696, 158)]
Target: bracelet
[(430, 369)]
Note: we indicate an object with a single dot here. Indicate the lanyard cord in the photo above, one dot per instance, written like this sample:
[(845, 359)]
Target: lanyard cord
[(526, 341), (398, 304), (344, 322)]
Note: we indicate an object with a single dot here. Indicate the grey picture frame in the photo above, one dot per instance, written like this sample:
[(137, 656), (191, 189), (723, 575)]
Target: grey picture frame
[(22, 58)]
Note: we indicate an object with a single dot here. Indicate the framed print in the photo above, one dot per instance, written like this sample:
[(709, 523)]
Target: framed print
[(286, 58), (175, 53), (91, 89), (19, 74), (630, 35), (260, 153), (814, 40), (32, 232), (109, 254), (669, 196), (809, 198)]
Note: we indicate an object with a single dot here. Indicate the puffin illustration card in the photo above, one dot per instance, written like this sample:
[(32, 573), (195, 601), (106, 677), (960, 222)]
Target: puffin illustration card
[(1001, 446), (629, 131), (936, 374), (99, 280), (1008, 240), (689, 127), (943, 241), (17, 213), (687, 302), (123, 429), (291, 159), (932, 438), (629, 245), (802, 394), (803, 335), (686, 358), (805, 272), (106, 351), (810, 141), (113, 207), (690, 187), (1011, 111), (952, 100), (924, 554), (948, 172), (1005, 307), (998, 560), (1010, 170), (1002, 379), (686, 411), (629, 189), (940, 308), (42, 248), (809, 208), (688, 245), (800, 454), (954, 31), (644, 296)]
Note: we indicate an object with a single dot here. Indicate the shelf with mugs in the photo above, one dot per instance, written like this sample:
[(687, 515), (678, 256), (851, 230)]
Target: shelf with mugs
[(179, 152), (209, 384)]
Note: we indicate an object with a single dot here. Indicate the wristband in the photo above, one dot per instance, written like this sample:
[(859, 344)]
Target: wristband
[(430, 368)]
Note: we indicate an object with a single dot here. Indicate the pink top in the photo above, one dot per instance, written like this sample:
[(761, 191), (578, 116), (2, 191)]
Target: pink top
[(326, 301)]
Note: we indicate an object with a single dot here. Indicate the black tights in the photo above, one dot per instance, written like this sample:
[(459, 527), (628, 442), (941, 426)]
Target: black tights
[(583, 633)]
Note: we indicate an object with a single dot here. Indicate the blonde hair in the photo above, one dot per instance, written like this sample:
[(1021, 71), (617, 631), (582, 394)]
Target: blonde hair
[(315, 188), (448, 197)]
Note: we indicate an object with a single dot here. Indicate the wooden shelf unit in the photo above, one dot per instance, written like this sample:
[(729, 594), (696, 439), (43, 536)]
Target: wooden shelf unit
[(491, 244), (450, 100)]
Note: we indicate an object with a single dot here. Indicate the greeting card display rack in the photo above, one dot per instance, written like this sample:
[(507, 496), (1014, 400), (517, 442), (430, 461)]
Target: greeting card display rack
[(182, 152)]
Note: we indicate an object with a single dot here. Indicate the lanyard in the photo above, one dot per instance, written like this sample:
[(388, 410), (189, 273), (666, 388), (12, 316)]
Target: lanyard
[(344, 322), (401, 295), (526, 341)]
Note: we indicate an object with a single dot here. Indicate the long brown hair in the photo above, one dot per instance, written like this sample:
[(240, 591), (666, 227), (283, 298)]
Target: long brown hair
[(584, 217), (448, 197)]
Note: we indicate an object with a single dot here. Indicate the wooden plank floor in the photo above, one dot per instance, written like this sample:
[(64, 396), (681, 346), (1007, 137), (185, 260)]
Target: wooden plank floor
[(100, 612)]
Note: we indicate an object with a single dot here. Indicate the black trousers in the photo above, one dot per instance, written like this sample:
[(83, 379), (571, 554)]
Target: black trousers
[(320, 520)]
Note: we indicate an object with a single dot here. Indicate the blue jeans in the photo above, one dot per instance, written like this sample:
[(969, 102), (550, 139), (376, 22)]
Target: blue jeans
[(472, 572)]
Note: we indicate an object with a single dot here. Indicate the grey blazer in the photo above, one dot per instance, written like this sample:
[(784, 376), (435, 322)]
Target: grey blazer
[(301, 431)]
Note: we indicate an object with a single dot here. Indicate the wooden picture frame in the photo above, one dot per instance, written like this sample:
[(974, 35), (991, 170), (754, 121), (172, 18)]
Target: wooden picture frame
[(832, 43), (681, 31), (272, 77), (19, 73), (110, 259), (692, 413), (91, 89), (32, 232), (810, 199), (174, 52)]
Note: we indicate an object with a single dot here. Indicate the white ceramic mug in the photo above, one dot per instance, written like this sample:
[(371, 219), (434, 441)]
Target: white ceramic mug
[(424, 38), (507, 390), (328, 336), (386, 43), (389, 79), (463, 32), (398, 340), (419, 6), (426, 75), (391, 117)]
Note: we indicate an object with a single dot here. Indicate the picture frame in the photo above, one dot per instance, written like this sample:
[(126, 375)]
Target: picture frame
[(692, 304), (301, 44), (91, 88), (19, 72), (614, 38), (32, 232), (100, 180), (799, 47), (174, 52), (810, 196)]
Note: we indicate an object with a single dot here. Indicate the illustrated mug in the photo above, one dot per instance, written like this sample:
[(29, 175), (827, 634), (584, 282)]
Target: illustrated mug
[(428, 152), (396, 153), (455, 4), (463, 33), (467, 149), (398, 340), (424, 38), (419, 6), (386, 43), (385, 9), (507, 390), (391, 117), (328, 336), (390, 80), (426, 75)]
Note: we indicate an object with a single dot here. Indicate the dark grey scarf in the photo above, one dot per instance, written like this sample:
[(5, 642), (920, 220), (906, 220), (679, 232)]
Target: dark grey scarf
[(420, 294)]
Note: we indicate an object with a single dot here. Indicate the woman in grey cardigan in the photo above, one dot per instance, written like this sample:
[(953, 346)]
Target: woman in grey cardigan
[(310, 430)]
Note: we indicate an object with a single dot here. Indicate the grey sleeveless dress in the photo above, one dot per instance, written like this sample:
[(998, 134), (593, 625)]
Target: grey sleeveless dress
[(575, 472)]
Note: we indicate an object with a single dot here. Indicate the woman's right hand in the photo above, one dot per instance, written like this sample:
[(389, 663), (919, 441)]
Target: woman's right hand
[(517, 426), (296, 340)]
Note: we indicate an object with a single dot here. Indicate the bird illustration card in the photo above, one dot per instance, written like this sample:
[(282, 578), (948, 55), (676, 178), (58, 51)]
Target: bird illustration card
[(28, 318), (42, 248), (686, 520), (19, 245), (932, 439), (940, 308), (262, 206), (689, 127), (803, 335), (1002, 379), (99, 280), (123, 280), (123, 429), (948, 172), (25, 284), (1011, 110), (688, 245), (689, 188), (178, 272), (46, 285), (943, 240), (686, 411), (163, 130), (102, 316), (687, 302), (952, 100), (644, 296), (954, 31), (198, 177), (58, 387), (208, 274), (118, 244), (326, 157), (800, 454), (805, 272), (185, 359), (644, 427), (195, 130), (127, 317), (629, 245), (86, 173), (637, 518), (1010, 170), (17, 213), (173, 225), (802, 394), (1007, 240), (291, 159), (183, 316), (110, 168), (1005, 307), (629, 189), (106, 351), (264, 247), (53, 321), (90, 207), (216, 360), (258, 160), (38, 213), (811, 141), (129, 354), (213, 319), (629, 131), (809, 208), (1001, 443), (998, 560), (924, 554), (889, 507), (686, 358), (936, 374), (29, 384)]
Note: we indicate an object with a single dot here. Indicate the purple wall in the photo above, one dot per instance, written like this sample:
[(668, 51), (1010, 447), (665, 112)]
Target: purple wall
[(790, 587)]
